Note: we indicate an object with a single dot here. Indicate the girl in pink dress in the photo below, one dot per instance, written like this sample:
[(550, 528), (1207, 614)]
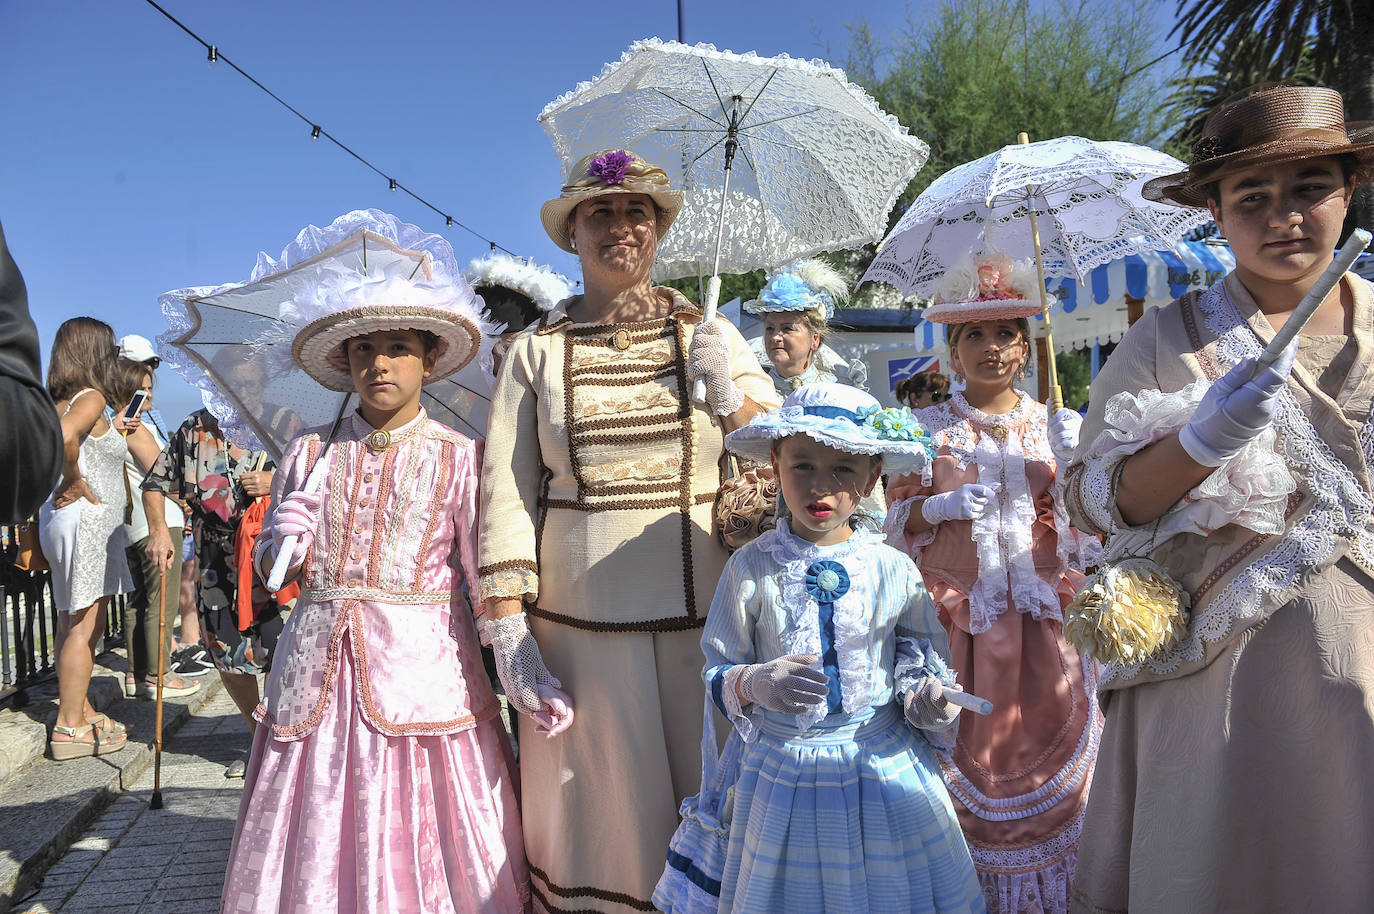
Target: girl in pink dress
[(995, 548), (381, 779)]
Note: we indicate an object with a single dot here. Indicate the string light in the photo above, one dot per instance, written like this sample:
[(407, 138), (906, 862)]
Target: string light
[(316, 131)]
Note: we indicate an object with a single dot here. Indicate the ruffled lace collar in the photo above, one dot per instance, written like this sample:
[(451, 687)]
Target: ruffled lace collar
[(853, 609), (1024, 410)]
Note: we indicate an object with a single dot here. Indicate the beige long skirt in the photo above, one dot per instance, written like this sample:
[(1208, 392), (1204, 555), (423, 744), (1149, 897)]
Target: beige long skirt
[(1248, 785), (600, 802)]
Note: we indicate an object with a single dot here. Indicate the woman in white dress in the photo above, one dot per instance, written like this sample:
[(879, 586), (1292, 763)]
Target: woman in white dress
[(81, 523)]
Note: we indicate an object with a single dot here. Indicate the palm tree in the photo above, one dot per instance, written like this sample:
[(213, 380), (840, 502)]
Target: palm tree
[(1332, 34), (1239, 63)]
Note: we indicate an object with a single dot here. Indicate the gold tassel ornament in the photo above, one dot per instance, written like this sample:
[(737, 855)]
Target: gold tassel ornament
[(1127, 611)]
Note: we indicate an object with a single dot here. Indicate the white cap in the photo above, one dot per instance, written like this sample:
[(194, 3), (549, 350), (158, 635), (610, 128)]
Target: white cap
[(137, 348)]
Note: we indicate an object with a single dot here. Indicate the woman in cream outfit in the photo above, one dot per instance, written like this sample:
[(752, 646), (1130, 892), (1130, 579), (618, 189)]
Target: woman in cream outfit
[(597, 554)]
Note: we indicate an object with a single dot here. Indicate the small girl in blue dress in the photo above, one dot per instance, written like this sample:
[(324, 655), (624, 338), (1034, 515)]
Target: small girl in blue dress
[(826, 654)]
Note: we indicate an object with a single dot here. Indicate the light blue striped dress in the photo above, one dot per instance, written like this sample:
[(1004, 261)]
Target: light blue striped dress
[(840, 810)]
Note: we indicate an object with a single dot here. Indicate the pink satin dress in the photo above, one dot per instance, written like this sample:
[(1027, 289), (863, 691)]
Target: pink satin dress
[(1020, 776), (381, 779)]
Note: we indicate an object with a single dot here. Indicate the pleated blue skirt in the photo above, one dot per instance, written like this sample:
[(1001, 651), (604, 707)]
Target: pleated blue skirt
[(848, 816)]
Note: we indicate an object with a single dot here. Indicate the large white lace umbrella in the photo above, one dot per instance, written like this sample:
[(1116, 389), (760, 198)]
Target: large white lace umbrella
[(1079, 198), (259, 396), (779, 158)]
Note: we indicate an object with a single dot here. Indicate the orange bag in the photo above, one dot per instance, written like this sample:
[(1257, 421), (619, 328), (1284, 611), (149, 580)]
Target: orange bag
[(248, 531), (30, 556)]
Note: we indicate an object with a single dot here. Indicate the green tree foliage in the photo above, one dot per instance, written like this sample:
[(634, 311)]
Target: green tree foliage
[(1323, 41), (972, 76)]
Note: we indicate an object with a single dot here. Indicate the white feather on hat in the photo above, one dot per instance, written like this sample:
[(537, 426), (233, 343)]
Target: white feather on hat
[(540, 284), (802, 286)]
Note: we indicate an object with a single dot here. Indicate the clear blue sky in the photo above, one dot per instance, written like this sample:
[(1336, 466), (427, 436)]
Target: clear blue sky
[(129, 166)]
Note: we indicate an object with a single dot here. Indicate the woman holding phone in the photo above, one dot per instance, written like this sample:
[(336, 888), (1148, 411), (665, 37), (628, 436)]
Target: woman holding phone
[(80, 523)]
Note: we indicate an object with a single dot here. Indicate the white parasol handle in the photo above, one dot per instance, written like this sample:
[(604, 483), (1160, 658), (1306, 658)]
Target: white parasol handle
[(712, 298), (1354, 247), (283, 560), (968, 702)]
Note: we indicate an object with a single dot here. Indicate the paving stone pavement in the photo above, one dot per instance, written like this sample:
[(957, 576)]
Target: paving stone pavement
[(137, 860)]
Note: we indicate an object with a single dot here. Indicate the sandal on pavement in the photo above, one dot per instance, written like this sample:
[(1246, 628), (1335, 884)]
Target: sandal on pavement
[(130, 685), (105, 725), (237, 769), (148, 689), (77, 747)]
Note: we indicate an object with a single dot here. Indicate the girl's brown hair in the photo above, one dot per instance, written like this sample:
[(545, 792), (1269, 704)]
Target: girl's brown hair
[(83, 355), (127, 380)]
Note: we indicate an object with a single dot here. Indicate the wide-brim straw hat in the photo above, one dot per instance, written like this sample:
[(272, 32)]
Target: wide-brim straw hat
[(1272, 126), (350, 304), (842, 417), (610, 171)]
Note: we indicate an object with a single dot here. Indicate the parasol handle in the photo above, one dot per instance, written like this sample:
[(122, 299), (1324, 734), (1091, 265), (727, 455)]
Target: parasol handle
[(713, 284), (1056, 395), (712, 298), (968, 702), (283, 559), (1354, 247)]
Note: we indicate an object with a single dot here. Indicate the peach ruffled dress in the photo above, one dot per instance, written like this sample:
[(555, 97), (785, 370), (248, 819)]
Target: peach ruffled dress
[(1020, 776)]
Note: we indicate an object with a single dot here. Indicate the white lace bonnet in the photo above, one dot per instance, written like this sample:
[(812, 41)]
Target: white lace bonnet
[(838, 416)]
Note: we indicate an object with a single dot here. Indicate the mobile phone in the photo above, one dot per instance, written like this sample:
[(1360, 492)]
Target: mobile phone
[(136, 404)]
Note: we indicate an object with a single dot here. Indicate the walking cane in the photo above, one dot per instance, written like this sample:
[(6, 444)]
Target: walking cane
[(156, 801)]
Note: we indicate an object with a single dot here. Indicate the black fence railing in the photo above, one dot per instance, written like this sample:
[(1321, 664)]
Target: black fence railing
[(30, 625)]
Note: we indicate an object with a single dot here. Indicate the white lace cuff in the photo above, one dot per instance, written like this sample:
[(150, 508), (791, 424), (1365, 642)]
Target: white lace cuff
[(898, 513), (1250, 489), (508, 582), (731, 402), (744, 725)]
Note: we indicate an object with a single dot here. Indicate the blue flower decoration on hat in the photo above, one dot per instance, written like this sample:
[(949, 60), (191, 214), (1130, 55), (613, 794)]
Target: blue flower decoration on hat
[(827, 581), (892, 424), (787, 292)]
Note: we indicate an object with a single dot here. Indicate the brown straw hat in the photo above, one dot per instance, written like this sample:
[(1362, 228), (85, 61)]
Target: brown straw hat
[(610, 171), (1271, 126)]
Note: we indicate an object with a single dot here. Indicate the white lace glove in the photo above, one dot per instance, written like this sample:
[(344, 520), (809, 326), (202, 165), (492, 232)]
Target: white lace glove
[(1235, 410), (926, 707), (530, 687), (788, 685), (709, 358), (968, 502), (1065, 425), (297, 515)]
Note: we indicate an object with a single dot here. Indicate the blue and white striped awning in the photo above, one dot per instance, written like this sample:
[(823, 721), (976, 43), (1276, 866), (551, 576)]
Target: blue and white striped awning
[(1095, 311)]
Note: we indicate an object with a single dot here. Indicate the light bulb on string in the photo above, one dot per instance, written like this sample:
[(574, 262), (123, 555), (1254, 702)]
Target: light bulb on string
[(448, 222), (211, 57), (392, 182), (314, 132)]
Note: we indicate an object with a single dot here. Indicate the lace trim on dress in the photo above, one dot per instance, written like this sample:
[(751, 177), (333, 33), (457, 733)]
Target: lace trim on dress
[(852, 617), (1000, 445), (1341, 508), (894, 527), (512, 582), (1021, 880), (1065, 781)]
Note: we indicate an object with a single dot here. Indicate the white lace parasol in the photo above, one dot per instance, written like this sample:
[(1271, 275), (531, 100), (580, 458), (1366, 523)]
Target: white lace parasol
[(818, 163), (224, 339), (1085, 195)]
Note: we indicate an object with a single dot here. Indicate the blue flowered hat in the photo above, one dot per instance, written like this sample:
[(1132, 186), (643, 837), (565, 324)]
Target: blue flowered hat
[(808, 285), (843, 417)]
